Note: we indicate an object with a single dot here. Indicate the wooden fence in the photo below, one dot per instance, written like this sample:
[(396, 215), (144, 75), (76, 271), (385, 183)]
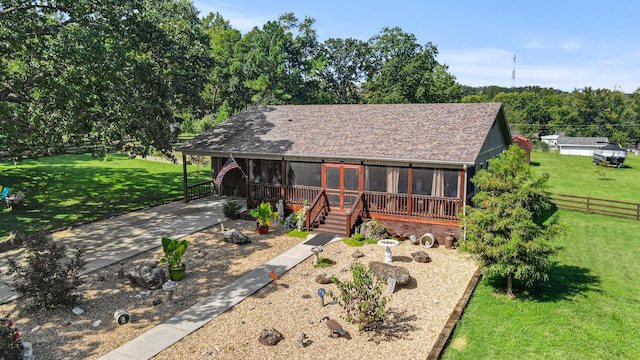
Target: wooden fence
[(596, 205)]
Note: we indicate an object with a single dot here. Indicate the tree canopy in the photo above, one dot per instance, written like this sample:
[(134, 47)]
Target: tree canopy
[(501, 228), (115, 73)]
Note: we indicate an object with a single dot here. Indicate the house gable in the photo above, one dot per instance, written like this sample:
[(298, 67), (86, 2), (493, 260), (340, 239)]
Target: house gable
[(496, 141)]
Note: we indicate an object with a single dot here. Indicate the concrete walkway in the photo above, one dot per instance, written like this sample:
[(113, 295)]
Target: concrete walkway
[(171, 331), (115, 239)]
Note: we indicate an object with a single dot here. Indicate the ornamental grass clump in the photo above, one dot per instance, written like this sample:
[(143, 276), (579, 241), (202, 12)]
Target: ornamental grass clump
[(10, 344), (361, 298)]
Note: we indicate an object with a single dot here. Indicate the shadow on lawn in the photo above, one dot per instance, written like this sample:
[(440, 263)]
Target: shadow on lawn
[(59, 195), (565, 282)]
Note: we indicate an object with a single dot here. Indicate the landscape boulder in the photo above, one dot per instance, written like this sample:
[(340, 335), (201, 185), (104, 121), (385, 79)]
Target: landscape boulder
[(323, 279), (421, 257), (385, 272), (373, 230), (270, 337), (147, 275), (234, 236)]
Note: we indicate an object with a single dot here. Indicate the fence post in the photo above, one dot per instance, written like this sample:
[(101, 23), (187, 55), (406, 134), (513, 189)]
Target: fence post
[(638, 212), (588, 208)]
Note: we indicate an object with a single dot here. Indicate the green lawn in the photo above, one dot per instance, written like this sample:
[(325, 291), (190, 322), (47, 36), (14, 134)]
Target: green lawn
[(590, 307), (64, 190), (588, 310), (576, 175)]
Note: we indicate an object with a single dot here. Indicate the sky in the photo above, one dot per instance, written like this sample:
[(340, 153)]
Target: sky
[(563, 44)]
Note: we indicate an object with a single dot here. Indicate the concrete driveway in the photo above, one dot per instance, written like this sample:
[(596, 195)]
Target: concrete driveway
[(114, 239)]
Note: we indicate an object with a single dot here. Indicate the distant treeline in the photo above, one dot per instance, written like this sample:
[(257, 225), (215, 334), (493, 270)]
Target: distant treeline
[(539, 111)]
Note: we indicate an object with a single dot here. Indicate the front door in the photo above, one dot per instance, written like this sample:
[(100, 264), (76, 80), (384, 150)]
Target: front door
[(342, 184)]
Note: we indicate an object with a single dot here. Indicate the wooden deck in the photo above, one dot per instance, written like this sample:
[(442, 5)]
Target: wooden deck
[(403, 214)]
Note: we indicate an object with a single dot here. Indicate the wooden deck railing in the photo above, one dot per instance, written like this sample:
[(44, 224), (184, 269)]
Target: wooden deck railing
[(597, 205), (296, 195), (354, 213), (199, 190), (317, 207), (421, 205), (265, 192)]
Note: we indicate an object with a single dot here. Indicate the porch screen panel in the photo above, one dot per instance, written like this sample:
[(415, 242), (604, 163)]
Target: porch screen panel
[(375, 178), (386, 179), (351, 179), (333, 178), (451, 183), (304, 174), (233, 183), (266, 171), (422, 181)]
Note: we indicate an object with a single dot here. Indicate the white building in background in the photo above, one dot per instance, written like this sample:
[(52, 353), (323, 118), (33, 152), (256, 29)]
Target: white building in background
[(551, 140), (582, 146)]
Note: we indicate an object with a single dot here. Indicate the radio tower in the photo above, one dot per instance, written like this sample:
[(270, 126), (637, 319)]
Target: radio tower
[(513, 72)]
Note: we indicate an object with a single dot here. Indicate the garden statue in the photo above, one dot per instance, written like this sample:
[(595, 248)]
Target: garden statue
[(302, 219), (280, 210)]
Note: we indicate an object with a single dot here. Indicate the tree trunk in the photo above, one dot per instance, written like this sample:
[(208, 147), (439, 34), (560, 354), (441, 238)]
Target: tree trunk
[(510, 285)]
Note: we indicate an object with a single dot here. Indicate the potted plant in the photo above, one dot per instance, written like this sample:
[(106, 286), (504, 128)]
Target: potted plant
[(263, 214), (173, 251)]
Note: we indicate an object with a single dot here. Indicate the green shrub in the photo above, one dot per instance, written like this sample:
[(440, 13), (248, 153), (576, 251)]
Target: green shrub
[(361, 298), (358, 240), (324, 262), (49, 278), (358, 237), (232, 209)]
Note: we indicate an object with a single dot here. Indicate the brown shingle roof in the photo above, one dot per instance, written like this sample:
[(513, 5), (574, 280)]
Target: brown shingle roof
[(448, 133)]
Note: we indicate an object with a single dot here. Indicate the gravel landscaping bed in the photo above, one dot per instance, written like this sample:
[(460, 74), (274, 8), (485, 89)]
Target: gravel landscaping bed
[(417, 312)]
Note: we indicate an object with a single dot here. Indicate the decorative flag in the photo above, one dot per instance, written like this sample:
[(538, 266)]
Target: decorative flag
[(228, 166)]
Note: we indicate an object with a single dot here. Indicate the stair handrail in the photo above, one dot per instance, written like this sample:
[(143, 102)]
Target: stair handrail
[(315, 209), (355, 212)]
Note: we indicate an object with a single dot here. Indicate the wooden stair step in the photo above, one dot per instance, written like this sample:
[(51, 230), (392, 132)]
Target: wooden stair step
[(332, 223)]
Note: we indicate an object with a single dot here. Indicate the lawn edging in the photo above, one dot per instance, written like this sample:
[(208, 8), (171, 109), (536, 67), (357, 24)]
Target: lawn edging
[(447, 330)]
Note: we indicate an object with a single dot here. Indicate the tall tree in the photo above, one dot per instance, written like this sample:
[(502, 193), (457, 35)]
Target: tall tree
[(118, 73), (276, 64), (343, 67), (219, 90), (402, 71), (501, 228)]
